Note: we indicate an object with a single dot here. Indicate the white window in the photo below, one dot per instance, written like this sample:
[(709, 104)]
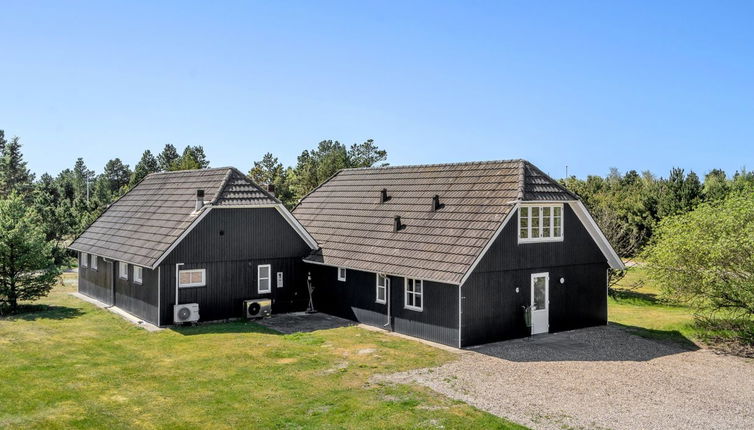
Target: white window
[(192, 278), (540, 223), (84, 259), (381, 289), (263, 278), (138, 273), (122, 270), (94, 262), (414, 294), (342, 274)]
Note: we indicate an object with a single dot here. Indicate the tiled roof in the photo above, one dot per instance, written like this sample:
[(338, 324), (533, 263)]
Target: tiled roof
[(355, 230), (140, 226)]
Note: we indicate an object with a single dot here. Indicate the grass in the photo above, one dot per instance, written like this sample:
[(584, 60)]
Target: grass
[(640, 307), (68, 364)]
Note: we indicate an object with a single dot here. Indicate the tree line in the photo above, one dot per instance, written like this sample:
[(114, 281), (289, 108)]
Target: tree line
[(38, 217), (629, 207)]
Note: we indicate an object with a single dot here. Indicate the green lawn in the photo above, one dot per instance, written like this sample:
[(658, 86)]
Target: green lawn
[(71, 365), (643, 311)]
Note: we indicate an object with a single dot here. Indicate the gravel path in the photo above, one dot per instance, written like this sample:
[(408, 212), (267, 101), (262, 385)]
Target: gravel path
[(598, 378)]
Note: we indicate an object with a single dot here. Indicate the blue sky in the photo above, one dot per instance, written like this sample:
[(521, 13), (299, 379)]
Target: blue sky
[(591, 85)]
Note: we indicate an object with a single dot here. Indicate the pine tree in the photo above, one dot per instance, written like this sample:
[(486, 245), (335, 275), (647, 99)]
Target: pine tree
[(14, 176), (193, 157), (167, 157), (27, 264), (148, 164), (116, 175)]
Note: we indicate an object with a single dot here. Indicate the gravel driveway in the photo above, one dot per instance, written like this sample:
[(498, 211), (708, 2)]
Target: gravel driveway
[(601, 377)]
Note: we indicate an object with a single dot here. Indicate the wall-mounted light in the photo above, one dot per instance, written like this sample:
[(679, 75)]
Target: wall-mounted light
[(516, 289), (562, 281)]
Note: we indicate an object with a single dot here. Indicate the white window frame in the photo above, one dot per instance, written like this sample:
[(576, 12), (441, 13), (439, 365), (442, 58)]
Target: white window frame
[(268, 278), (122, 270), (84, 259), (342, 271), (193, 284), (551, 238), (413, 294), (93, 262), (138, 279), (379, 287)]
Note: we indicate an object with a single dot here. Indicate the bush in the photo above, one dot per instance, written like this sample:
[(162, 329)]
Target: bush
[(706, 257)]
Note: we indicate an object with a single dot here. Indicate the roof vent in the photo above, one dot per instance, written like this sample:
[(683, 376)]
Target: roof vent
[(383, 196), (199, 199), (397, 225), (270, 188), (436, 205)]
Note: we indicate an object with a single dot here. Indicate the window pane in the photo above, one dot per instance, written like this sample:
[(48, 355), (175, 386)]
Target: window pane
[(535, 212), (556, 210), (556, 232), (264, 271), (524, 213), (380, 294), (546, 212), (264, 284), (535, 223), (539, 293), (380, 280), (185, 277), (523, 233), (418, 287), (196, 277), (418, 301)]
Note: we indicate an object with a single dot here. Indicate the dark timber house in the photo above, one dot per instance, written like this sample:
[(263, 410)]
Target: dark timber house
[(210, 237), (456, 253)]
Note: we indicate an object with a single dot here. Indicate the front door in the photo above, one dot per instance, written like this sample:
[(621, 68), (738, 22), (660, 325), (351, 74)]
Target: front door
[(540, 303)]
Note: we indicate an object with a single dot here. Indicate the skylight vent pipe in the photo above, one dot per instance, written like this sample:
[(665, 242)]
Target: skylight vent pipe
[(436, 203), (397, 226), (199, 199), (383, 196)]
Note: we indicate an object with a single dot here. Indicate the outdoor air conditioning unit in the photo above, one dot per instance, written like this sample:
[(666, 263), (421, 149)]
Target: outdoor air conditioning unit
[(188, 312), (257, 308)]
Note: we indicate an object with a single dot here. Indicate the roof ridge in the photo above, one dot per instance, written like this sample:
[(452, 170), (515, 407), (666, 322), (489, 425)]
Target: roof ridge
[(254, 184), (222, 187), (463, 163), (175, 172), (522, 180), (553, 181)]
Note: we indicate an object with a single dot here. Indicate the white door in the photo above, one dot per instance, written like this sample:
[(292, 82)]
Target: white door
[(540, 303)]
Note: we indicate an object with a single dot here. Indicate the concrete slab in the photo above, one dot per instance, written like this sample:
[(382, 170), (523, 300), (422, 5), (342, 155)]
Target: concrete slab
[(298, 322), (120, 312)]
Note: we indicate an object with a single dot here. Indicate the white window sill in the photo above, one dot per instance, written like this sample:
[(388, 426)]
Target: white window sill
[(192, 285), (413, 308), (382, 302), (541, 240)]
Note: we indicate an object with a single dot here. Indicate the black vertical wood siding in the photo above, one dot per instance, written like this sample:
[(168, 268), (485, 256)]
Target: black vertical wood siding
[(250, 237), (491, 308), (137, 299), (97, 284), (354, 299)]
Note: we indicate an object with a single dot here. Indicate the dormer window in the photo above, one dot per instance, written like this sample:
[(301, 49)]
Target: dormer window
[(540, 223)]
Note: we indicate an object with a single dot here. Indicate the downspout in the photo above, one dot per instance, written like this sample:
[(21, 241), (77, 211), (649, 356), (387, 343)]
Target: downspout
[(388, 297), (177, 281)]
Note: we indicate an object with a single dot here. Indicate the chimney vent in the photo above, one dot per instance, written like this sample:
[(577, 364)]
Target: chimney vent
[(436, 205), (199, 199), (383, 196), (397, 225), (270, 188)]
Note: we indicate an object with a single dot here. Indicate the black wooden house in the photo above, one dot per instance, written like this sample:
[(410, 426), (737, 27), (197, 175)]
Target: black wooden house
[(208, 237), (460, 254)]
